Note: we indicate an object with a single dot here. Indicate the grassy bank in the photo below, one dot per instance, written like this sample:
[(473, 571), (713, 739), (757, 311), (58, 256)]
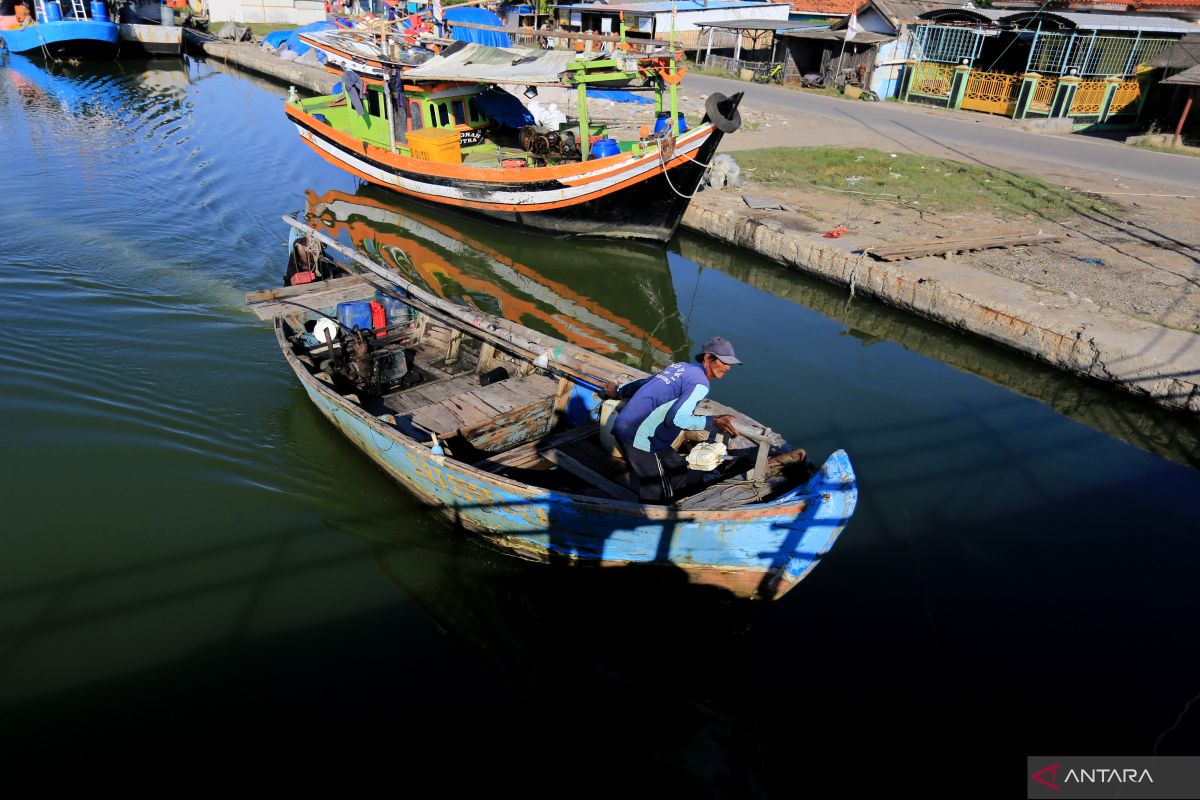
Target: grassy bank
[(931, 184), (1166, 148)]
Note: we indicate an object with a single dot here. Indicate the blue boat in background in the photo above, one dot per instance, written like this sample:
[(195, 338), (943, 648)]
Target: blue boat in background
[(501, 429), (74, 32)]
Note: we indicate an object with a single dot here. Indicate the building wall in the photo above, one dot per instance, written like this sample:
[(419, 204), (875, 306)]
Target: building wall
[(296, 12), (871, 20)]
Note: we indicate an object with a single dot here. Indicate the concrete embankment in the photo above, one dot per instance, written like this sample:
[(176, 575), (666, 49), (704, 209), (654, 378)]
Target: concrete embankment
[(1140, 357), (254, 57)]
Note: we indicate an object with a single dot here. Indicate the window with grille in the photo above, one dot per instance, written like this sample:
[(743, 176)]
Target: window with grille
[(948, 44), (1092, 55)]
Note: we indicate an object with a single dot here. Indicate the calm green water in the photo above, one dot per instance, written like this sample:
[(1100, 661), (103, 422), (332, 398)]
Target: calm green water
[(197, 576)]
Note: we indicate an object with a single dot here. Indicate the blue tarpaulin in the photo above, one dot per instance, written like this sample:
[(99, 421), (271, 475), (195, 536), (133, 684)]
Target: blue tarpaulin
[(618, 96), (276, 38), (477, 16), (300, 48), (501, 106)]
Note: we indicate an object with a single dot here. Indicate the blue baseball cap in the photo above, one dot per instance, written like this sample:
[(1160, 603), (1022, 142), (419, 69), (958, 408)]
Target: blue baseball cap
[(721, 348)]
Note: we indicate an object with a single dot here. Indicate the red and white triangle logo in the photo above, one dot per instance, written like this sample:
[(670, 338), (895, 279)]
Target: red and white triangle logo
[(1039, 776)]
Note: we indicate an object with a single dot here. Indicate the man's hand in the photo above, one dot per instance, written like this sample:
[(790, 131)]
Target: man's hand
[(724, 423), (610, 391)]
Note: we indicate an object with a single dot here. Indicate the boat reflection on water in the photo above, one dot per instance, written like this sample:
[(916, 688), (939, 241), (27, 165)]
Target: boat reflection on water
[(612, 298), (655, 686)]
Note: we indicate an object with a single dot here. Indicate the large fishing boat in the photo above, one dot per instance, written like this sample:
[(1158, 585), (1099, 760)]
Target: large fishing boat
[(75, 32), (501, 429), (445, 132)]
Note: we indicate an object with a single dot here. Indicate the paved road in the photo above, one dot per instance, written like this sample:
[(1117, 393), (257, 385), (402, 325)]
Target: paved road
[(968, 137)]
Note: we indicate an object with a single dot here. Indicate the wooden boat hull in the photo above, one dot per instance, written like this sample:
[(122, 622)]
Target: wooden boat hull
[(621, 196), (753, 551), (88, 39)]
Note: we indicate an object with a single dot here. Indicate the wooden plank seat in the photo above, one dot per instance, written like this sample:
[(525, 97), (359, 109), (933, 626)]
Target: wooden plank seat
[(459, 405)]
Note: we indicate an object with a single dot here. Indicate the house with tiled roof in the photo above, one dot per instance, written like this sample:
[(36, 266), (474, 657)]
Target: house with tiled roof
[(878, 51)]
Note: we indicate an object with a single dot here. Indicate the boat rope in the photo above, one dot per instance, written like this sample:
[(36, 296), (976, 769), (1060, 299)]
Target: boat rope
[(313, 246), (663, 161), (696, 160)]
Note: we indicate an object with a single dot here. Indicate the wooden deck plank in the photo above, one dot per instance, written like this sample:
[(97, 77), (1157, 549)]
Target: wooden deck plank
[(468, 414), (525, 454), (320, 294), (502, 401), (470, 398), (437, 419)]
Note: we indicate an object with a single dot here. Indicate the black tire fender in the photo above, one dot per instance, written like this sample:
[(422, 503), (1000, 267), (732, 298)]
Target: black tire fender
[(723, 123)]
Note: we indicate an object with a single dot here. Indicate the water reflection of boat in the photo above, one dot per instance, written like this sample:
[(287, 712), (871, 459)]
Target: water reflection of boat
[(524, 463), (611, 298)]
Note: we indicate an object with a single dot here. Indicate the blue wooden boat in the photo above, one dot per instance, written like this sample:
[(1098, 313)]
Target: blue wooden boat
[(492, 424), (73, 35)]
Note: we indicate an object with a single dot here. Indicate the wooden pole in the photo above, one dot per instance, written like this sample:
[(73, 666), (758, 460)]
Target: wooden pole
[(838, 71)]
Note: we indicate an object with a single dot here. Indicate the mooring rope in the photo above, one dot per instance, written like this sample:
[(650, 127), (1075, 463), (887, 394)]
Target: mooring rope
[(663, 161)]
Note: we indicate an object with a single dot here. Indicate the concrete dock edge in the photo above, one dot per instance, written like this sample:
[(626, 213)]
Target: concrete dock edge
[(1144, 359), (253, 57)]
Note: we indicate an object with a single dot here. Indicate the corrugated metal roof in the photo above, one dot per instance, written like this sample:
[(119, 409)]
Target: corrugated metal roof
[(754, 24), (863, 37), (1076, 20), (1184, 53), (1189, 77), (1121, 22), (899, 11), (664, 5)]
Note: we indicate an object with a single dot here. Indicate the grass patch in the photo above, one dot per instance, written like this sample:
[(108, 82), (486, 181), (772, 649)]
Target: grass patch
[(1166, 148), (930, 184)]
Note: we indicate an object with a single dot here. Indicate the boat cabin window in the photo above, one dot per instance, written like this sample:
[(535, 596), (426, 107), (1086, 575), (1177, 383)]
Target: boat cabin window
[(460, 112), (443, 116), (374, 102), (473, 112), (415, 119)]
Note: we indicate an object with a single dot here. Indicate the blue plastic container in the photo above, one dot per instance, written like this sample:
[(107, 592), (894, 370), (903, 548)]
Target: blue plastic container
[(355, 315), (664, 121), (99, 11), (395, 311), (605, 147), (53, 12)]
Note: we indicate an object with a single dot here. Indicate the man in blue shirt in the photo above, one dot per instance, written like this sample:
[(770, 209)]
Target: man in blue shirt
[(662, 406)]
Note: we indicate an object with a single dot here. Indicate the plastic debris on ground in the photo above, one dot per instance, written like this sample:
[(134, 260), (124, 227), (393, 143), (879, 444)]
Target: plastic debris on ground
[(836, 233), (724, 172)]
